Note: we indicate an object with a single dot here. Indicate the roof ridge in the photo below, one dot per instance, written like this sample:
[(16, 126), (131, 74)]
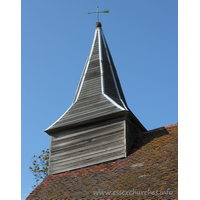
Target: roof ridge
[(160, 128)]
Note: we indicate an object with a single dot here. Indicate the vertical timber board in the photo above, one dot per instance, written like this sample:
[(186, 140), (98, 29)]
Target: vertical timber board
[(88, 145), (131, 134), (49, 155), (125, 136)]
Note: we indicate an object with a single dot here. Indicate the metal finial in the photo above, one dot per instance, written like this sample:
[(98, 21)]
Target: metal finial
[(97, 14), (105, 11)]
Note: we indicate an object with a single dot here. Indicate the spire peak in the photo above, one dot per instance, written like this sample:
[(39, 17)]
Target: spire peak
[(98, 24)]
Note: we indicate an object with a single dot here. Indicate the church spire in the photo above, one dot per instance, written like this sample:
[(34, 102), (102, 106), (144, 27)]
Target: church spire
[(98, 127), (99, 94)]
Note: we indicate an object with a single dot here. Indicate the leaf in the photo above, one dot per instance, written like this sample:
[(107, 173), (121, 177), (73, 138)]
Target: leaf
[(40, 166)]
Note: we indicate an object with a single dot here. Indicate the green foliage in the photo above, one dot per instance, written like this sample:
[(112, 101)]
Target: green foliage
[(40, 166)]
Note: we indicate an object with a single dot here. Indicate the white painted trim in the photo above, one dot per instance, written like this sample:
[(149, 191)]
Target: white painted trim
[(123, 104), (113, 73), (85, 70), (125, 137), (113, 102), (100, 60)]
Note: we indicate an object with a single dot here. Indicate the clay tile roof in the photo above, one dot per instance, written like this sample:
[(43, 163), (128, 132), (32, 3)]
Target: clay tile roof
[(149, 172)]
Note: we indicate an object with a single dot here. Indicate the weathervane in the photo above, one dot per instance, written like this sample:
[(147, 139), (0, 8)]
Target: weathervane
[(105, 11)]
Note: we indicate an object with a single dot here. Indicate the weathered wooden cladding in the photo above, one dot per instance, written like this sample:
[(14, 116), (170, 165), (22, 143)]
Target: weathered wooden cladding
[(99, 126), (131, 134), (85, 146), (92, 144)]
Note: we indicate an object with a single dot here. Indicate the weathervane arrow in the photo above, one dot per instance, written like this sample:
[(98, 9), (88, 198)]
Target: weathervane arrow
[(105, 11)]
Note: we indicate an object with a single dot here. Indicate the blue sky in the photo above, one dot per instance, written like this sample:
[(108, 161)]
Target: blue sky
[(56, 37)]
